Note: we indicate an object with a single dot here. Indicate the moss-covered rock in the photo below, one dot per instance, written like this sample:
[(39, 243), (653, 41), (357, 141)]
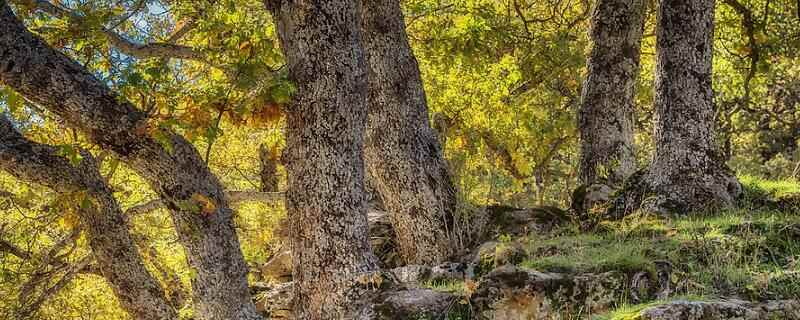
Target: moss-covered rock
[(510, 292)]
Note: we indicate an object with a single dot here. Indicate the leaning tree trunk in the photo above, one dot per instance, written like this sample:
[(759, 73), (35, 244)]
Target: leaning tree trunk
[(325, 200), (402, 153), (172, 166), (687, 172), (107, 229), (605, 118)]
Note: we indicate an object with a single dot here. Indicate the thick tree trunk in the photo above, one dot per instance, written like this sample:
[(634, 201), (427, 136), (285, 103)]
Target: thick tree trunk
[(605, 118), (325, 200), (172, 167), (114, 248), (687, 171), (402, 153)]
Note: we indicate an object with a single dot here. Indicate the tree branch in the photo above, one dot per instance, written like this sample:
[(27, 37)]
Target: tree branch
[(138, 50)]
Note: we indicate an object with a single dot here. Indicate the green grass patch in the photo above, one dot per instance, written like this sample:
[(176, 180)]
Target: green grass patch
[(633, 311), (748, 253), (450, 286)]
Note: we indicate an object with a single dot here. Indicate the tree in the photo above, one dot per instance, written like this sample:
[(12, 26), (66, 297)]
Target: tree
[(99, 213), (169, 163), (325, 124), (687, 173), (402, 153), (605, 118)]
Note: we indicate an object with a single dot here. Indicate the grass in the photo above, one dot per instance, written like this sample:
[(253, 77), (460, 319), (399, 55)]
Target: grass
[(632, 312), (753, 254), (449, 286)]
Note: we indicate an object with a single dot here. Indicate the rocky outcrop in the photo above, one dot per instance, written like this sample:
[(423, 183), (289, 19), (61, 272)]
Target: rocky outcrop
[(512, 293), (279, 268), (723, 310), (408, 304), (515, 222), (275, 302), (417, 274)]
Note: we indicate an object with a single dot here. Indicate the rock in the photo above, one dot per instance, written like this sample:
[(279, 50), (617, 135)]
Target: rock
[(723, 310), (276, 303), (416, 274), (279, 268), (492, 254), (586, 198), (448, 271), (408, 304), (412, 274), (512, 293), (382, 238), (514, 222)]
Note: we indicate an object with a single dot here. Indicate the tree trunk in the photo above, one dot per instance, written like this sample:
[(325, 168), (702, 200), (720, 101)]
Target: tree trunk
[(172, 166), (402, 153), (269, 169), (107, 229), (605, 118), (324, 141), (687, 173)]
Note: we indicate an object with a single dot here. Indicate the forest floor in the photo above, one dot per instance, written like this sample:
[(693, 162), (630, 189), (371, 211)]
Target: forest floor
[(747, 254)]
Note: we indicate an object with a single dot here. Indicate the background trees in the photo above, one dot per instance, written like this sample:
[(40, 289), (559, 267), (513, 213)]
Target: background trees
[(504, 77)]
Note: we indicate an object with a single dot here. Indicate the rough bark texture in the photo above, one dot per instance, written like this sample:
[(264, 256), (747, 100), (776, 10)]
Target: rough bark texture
[(173, 168), (687, 172), (402, 153), (113, 247), (323, 157), (605, 118)]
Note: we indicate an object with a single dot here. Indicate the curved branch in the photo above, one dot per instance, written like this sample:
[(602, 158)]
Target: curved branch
[(138, 50)]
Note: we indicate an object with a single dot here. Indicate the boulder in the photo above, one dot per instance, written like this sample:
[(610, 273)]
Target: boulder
[(275, 303), (493, 253), (408, 304), (723, 310), (278, 268), (515, 222), (416, 274), (588, 197), (513, 293)]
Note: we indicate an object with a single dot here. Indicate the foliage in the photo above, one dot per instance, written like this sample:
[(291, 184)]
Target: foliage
[(504, 76)]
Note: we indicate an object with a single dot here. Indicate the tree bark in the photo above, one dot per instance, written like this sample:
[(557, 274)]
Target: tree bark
[(402, 153), (605, 118), (172, 166), (107, 229), (324, 141), (687, 173)]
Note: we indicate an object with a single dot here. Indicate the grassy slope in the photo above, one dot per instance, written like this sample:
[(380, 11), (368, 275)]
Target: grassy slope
[(752, 252)]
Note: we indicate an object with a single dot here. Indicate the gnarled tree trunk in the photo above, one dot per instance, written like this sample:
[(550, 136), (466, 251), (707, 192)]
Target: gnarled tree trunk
[(321, 40), (107, 229), (402, 153), (687, 171), (605, 118), (200, 211)]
